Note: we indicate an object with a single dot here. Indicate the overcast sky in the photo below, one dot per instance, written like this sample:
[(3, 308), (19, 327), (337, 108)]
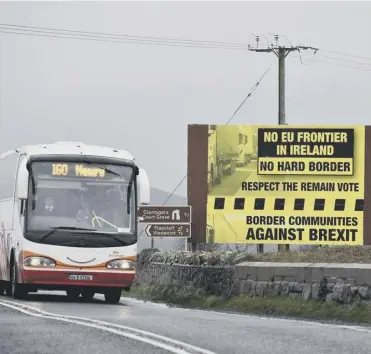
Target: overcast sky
[(141, 97)]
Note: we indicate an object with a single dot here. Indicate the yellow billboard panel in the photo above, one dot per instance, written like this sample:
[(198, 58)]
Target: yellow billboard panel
[(305, 151), (286, 184)]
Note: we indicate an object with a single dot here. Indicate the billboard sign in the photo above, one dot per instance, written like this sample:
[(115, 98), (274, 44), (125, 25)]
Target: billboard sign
[(305, 151), (286, 184)]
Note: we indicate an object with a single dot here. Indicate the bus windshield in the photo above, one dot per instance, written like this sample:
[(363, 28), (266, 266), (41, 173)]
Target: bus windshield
[(82, 195)]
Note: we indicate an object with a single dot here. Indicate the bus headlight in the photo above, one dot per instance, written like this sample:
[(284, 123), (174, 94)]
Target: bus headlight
[(121, 264), (39, 262)]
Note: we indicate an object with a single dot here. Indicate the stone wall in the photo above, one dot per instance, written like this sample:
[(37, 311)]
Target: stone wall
[(326, 281), (213, 280), (343, 283)]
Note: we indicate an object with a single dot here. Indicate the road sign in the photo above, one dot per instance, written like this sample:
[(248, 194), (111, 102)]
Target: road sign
[(161, 214), (168, 230)]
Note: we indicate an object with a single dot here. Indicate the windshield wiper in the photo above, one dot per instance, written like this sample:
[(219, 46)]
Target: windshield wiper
[(55, 228), (96, 233), (102, 167), (122, 242)]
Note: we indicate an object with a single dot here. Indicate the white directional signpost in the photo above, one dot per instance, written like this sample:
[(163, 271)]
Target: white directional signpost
[(166, 230), (166, 220)]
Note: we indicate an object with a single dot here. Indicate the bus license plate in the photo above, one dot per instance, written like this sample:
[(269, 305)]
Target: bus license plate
[(80, 277)]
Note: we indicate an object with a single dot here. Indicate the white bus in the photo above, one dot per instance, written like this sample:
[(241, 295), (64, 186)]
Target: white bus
[(68, 220)]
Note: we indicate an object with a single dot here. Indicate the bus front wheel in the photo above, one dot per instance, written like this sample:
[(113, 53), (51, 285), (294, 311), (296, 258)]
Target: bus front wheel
[(87, 295), (18, 291), (113, 296), (73, 294)]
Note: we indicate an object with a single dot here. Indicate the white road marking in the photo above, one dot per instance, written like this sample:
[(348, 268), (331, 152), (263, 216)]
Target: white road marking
[(146, 302), (250, 316), (137, 334), (257, 317)]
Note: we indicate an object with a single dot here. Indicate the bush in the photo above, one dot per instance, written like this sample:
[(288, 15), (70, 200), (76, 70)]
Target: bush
[(338, 254), (201, 258)]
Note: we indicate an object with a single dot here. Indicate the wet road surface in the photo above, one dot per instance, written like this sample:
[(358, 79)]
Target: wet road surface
[(200, 331)]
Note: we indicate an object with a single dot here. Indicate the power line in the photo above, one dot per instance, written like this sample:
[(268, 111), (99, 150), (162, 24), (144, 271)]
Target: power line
[(51, 32), (249, 94), (252, 90), (125, 35), (110, 37), (343, 60), (324, 50), (104, 39), (363, 66), (345, 54), (332, 63), (206, 46), (347, 60), (298, 49)]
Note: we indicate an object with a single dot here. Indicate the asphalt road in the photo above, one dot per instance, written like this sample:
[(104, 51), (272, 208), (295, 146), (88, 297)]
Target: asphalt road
[(98, 327)]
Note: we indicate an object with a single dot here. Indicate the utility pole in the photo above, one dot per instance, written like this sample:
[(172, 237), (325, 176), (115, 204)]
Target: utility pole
[(281, 52)]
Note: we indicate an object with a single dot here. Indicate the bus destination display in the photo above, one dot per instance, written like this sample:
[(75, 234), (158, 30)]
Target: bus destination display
[(73, 169), (78, 170)]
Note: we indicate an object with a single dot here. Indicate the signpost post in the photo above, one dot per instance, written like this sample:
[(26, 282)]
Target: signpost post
[(169, 221)]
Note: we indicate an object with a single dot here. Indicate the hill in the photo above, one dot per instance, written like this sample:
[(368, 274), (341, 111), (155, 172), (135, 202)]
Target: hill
[(158, 197)]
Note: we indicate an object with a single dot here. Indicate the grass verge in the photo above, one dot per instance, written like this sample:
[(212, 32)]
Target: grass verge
[(358, 312), (339, 254)]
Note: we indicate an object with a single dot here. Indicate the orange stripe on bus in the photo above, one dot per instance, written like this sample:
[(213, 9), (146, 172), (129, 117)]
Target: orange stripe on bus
[(61, 265)]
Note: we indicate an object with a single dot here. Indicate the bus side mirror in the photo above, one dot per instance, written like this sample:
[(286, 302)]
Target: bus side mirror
[(144, 188), (22, 180)]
